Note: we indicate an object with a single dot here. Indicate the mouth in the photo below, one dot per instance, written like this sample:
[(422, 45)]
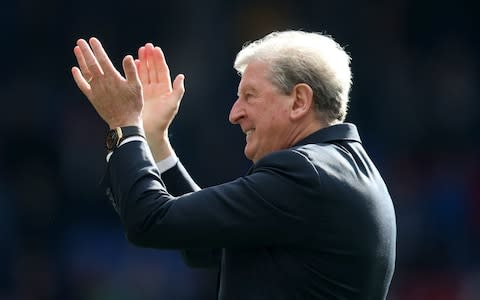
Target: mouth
[(249, 132)]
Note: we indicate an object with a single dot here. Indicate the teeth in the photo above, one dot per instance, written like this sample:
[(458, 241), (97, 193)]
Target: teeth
[(248, 132)]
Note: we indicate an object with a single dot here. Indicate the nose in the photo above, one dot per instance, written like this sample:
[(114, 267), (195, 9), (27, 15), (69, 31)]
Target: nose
[(236, 113)]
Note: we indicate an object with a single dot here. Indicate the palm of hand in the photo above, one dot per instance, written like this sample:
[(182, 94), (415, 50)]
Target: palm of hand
[(160, 106), (161, 101)]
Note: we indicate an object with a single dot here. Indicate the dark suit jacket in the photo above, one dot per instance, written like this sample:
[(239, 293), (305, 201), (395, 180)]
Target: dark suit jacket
[(314, 221)]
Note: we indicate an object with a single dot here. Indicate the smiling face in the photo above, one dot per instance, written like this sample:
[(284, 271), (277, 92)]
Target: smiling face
[(263, 113)]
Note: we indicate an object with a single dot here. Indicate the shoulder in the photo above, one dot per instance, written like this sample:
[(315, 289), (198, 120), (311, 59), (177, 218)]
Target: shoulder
[(308, 156), (291, 158), (310, 163), (293, 165)]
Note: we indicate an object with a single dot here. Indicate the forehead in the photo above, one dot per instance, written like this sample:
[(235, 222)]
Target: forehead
[(256, 74)]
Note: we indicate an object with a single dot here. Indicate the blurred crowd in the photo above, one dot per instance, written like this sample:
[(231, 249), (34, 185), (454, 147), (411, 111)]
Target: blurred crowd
[(415, 99)]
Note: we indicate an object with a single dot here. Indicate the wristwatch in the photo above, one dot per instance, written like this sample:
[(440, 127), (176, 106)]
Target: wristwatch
[(116, 135)]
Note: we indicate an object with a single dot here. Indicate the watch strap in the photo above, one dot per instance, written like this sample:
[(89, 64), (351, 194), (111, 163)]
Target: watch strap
[(116, 135)]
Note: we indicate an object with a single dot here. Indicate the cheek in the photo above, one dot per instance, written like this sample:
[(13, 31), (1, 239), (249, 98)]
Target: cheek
[(278, 119)]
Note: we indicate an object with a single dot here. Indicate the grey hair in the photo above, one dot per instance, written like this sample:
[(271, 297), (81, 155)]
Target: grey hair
[(304, 57)]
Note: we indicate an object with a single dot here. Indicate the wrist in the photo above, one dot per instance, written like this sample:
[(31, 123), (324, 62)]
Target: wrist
[(117, 135), (137, 122), (160, 146)]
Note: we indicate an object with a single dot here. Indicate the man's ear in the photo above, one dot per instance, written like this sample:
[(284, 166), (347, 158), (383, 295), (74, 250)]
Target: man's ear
[(302, 101)]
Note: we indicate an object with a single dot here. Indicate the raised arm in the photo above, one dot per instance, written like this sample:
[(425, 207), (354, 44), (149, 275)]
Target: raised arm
[(162, 100)]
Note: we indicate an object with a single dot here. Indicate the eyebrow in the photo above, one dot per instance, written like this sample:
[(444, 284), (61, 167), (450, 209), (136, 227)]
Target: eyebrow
[(246, 90)]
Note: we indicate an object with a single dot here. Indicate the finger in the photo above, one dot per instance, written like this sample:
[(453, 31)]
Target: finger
[(152, 76), (81, 82), (90, 60), (130, 70), (81, 63), (179, 86), (161, 67), (102, 56), (142, 67), (137, 66)]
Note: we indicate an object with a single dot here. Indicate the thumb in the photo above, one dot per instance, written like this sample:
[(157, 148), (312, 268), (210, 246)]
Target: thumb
[(137, 64), (179, 86), (130, 70)]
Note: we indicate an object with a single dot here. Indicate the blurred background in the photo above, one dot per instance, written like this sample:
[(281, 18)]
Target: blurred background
[(415, 99)]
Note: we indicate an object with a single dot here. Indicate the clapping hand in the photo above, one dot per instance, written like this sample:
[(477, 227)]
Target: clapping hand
[(162, 100), (117, 99)]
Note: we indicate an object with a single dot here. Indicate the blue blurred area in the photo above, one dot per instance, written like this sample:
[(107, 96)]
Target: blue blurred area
[(415, 99)]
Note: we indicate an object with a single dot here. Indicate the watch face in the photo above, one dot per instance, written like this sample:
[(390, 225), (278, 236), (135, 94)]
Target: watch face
[(112, 139)]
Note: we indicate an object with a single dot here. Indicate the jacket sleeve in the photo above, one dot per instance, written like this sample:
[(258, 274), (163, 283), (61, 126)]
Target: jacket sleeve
[(256, 210), (179, 182)]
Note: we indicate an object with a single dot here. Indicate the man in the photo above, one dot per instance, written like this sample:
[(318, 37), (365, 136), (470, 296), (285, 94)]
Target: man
[(312, 219)]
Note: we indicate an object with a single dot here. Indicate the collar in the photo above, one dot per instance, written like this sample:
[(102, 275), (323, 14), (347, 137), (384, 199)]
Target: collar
[(337, 132)]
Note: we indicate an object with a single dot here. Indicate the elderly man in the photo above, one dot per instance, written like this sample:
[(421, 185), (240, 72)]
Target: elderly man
[(312, 219)]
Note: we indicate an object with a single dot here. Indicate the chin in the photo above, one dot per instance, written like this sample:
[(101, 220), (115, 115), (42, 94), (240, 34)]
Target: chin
[(248, 154)]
